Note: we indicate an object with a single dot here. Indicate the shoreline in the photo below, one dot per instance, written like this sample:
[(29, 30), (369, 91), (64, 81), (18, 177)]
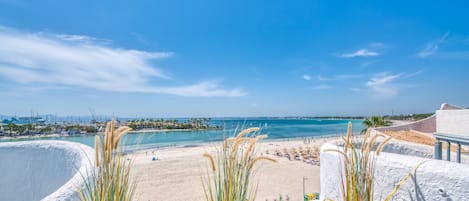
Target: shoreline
[(6, 137), (131, 149), (171, 130), (154, 147)]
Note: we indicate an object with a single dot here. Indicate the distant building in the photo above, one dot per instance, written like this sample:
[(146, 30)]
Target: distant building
[(24, 120), (73, 132)]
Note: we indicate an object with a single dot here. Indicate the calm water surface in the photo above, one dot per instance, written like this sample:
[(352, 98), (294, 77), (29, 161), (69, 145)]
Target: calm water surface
[(276, 129)]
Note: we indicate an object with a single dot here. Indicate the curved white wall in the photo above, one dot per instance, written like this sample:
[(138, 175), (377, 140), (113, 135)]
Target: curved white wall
[(435, 179), (43, 170)]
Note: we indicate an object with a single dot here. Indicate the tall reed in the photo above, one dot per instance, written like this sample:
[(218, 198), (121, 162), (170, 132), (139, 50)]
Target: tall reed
[(359, 160), (230, 171), (111, 180)]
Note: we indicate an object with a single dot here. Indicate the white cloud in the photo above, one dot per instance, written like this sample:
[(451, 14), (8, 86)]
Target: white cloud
[(207, 89), (432, 47), (74, 37), (409, 75), (322, 87), (382, 84), (307, 77), (360, 53), (79, 61)]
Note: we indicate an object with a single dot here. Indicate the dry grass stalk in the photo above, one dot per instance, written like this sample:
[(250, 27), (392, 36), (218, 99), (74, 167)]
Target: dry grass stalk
[(111, 180), (359, 167), (230, 171)]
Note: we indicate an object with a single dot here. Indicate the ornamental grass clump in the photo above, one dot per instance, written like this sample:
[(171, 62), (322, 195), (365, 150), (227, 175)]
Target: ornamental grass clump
[(230, 171), (359, 160), (111, 180)]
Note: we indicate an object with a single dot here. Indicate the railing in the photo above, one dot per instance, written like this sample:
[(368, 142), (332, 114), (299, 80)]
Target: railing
[(449, 139)]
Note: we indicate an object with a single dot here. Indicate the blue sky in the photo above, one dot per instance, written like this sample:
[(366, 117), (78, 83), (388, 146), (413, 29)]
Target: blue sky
[(232, 58)]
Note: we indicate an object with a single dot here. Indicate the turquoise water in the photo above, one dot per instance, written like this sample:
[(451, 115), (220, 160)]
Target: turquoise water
[(276, 129)]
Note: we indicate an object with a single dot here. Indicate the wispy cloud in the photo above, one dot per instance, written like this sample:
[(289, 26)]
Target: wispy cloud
[(307, 77), (373, 49), (384, 84), (322, 87), (409, 75), (432, 47), (360, 53), (79, 61), (74, 37)]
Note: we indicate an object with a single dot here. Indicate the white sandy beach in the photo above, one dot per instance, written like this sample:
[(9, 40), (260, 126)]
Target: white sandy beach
[(176, 175)]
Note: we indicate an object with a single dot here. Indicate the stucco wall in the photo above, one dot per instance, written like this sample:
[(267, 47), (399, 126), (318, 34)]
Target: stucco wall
[(434, 180), (452, 122), (43, 170)]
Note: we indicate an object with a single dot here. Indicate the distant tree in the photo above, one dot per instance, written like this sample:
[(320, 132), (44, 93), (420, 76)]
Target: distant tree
[(10, 127), (374, 122), (133, 126), (89, 129), (28, 128), (20, 129), (421, 116), (46, 129), (56, 126)]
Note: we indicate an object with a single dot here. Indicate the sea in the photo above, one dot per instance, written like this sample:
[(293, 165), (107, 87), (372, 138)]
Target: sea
[(277, 130)]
